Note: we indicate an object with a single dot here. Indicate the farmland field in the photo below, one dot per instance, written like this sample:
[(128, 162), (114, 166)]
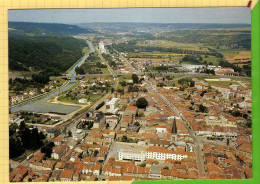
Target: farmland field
[(169, 44)]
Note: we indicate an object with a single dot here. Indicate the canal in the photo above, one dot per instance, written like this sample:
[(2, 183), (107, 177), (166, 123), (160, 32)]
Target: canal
[(40, 106)]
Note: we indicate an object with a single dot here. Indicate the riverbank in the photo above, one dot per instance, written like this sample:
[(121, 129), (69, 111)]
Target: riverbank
[(41, 95), (85, 51)]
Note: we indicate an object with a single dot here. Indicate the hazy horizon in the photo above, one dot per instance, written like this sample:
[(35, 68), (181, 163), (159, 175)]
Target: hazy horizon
[(218, 15)]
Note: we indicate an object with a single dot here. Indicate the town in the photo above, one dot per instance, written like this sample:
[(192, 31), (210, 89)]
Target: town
[(127, 117)]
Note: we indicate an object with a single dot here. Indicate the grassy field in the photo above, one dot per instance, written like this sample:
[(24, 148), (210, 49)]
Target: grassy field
[(95, 97), (236, 55), (67, 99), (242, 56), (150, 59), (176, 58), (105, 71), (223, 83), (234, 80), (212, 59), (168, 44)]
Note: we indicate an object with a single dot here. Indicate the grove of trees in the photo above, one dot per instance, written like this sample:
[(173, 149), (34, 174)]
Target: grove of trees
[(23, 138)]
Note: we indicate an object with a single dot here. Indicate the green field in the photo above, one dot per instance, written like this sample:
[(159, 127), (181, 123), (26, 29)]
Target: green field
[(67, 99), (105, 70), (223, 83), (181, 45), (176, 58)]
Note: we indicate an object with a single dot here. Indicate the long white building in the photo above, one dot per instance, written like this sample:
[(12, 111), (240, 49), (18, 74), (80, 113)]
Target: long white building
[(132, 154), (153, 152)]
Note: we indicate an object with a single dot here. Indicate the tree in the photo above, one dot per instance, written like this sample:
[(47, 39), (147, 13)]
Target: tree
[(141, 103), (135, 78), (79, 70), (47, 150), (123, 83), (202, 108), (70, 133), (124, 139), (137, 123), (95, 153), (112, 90), (64, 131), (237, 113), (107, 126), (166, 167), (143, 164), (15, 147)]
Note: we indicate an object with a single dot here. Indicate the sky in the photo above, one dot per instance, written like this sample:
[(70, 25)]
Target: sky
[(227, 15)]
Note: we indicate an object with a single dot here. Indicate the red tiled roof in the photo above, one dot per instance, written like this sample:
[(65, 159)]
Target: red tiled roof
[(131, 108), (66, 173), (57, 139)]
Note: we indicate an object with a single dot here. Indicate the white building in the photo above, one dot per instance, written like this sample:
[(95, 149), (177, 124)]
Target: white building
[(131, 154), (111, 120), (160, 153), (154, 152), (112, 104), (102, 47), (83, 100)]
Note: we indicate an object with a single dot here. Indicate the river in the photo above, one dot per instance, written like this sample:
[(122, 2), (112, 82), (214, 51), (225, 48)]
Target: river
[(40, 106)]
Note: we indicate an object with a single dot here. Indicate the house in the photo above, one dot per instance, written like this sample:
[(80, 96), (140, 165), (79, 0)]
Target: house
[(52, 132), (221, 88), (107, 168), (19, 173), (90, 160), (112, 104), (210, 95), (66, 175), (59, 151), (156, 142), (130, 111), (111, 121), (48, 165), (155, 172), (200, 86), (125, 122), (87, 119), (76, 175), (190, 90), (124, 99), (116, 94), (169, 174), (57, 140)]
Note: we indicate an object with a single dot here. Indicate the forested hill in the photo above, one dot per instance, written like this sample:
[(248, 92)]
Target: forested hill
[(48, 54), (47, 28)]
